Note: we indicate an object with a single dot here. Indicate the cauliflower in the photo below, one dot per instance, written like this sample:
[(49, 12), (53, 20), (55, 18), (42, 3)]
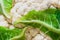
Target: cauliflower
[(22, 7)]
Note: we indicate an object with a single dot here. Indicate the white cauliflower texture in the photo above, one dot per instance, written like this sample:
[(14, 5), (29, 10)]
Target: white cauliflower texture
[(3, 22)]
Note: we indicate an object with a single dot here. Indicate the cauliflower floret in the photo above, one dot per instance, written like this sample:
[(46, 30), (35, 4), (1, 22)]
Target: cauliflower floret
[(3, 22), (38, 37), (41, 37)]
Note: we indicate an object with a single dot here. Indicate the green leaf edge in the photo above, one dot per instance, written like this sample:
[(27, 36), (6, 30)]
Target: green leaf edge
[(4, 12)]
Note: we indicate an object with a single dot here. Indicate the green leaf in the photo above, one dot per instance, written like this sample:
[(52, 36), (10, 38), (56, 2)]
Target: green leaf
[(58, 14), (0, 9), (6, 7), (45, 20), (21, 36), (7, 34)]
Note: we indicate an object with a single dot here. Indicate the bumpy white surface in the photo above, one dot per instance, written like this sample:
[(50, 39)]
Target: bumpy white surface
[(3, 22), (38, 37), (41, 37)]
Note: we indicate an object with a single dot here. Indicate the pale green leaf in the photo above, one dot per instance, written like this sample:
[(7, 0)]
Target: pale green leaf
[(45, 20)]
